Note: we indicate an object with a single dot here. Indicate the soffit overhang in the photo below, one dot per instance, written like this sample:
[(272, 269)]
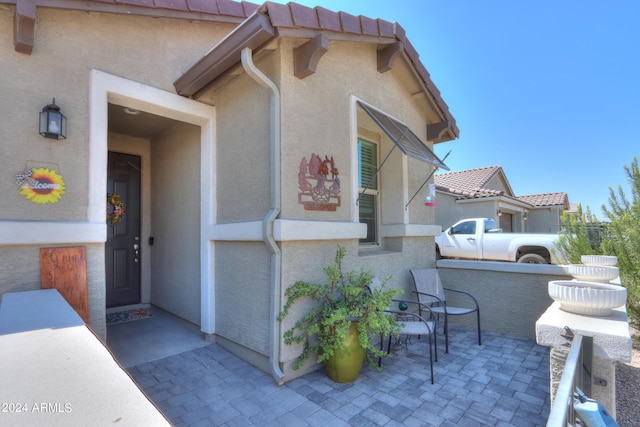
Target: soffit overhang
[(254, 32)]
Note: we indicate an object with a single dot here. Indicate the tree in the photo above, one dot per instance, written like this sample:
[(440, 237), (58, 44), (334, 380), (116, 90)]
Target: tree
[(624, 238)]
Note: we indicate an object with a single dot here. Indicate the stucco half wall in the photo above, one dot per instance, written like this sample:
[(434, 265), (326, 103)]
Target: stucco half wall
[(511, 296)]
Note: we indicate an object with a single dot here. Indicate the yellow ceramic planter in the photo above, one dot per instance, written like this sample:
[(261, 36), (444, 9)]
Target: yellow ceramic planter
[(345, 364)]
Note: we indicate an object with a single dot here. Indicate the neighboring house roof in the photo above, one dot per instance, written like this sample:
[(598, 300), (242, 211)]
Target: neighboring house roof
[(470, 183), (547, 199)]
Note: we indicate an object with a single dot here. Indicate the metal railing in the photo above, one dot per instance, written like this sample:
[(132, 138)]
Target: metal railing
[(576, 374)]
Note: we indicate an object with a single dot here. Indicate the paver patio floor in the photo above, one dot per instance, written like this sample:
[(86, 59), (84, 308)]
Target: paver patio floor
[(504, 382)]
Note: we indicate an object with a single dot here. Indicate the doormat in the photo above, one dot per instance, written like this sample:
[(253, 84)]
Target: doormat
[(127, 316)]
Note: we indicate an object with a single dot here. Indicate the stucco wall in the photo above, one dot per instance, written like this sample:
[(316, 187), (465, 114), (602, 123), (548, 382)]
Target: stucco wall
[(242, 294), (317, 111), (543, 220), (175, 213), (511, 296), (242, 153), (447, 210), (68, 44)]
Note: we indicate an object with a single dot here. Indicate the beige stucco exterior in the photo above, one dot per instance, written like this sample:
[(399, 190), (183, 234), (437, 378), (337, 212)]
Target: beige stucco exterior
[(206, 186), (545, 220), (319, 115), (68, 46)]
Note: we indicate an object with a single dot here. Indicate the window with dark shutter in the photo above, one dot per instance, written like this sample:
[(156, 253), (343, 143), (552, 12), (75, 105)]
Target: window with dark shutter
[(368, 183)]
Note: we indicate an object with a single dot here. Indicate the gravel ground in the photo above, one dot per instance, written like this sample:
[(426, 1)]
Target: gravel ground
[(628, 388)]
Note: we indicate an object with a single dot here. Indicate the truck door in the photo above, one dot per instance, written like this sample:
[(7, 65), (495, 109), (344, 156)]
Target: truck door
[(464, 238)]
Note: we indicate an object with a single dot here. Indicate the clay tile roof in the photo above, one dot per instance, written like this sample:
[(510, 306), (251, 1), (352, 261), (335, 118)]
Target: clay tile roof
[(469, 183), (304, 16), (231, 10), (369, 26), (293, 15), (328, 20), (546, 199)]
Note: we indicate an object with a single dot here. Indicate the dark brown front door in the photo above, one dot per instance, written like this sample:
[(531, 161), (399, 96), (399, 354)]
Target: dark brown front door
[(122, 262)]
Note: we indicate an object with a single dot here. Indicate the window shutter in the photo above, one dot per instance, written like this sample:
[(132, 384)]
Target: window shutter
[(367, 165)]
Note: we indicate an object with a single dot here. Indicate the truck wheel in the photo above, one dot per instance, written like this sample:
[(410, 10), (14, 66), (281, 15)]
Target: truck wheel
[(532, 259)]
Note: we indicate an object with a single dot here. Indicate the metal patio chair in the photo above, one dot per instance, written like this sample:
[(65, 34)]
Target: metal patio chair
[(411, 324), (429, 290)]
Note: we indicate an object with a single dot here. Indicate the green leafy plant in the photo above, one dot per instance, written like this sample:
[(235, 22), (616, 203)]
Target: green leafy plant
[(581, 234), (624, 238), (345, 299)]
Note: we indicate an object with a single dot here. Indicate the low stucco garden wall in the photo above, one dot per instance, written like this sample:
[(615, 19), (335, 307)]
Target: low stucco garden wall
[(511, 296)]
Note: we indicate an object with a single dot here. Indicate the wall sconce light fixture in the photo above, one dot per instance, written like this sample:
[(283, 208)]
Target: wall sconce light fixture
[(53, 124), (524, 217), (499, 212)]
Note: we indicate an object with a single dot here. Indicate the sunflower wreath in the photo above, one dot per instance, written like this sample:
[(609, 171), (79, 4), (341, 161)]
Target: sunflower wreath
[(116, 206)]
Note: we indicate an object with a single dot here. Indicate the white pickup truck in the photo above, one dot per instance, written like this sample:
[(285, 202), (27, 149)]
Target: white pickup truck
[(478, 238)]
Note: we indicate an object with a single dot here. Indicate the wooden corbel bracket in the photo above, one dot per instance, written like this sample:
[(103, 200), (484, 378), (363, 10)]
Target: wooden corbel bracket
[(307, 56), (24, 26), (388, 55), (435, 130)]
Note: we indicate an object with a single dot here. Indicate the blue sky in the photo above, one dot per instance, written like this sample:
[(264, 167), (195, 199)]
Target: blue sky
[(549, 90)]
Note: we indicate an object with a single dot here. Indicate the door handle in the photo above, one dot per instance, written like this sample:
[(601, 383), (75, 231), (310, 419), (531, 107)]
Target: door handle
[(136, 248), (471, 238)]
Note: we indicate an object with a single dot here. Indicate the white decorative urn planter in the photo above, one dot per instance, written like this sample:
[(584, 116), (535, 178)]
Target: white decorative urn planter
[(593, 273), (587, 298), (602, 260)]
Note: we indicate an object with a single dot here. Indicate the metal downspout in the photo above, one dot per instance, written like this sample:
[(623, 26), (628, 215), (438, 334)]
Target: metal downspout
[(274, 211)]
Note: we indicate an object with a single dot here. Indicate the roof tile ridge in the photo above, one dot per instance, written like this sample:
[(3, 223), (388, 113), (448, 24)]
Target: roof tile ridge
[(544, 194)]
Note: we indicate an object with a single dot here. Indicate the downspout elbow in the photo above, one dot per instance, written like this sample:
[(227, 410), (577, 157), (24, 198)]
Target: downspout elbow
[(274, 211)]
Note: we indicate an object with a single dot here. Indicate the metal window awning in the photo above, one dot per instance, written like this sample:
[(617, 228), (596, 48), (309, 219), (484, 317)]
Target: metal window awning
[(407, 141), (403, 138)]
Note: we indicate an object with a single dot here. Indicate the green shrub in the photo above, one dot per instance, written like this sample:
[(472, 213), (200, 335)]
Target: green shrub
[(346, 298), (581, 234), (624, 238)]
